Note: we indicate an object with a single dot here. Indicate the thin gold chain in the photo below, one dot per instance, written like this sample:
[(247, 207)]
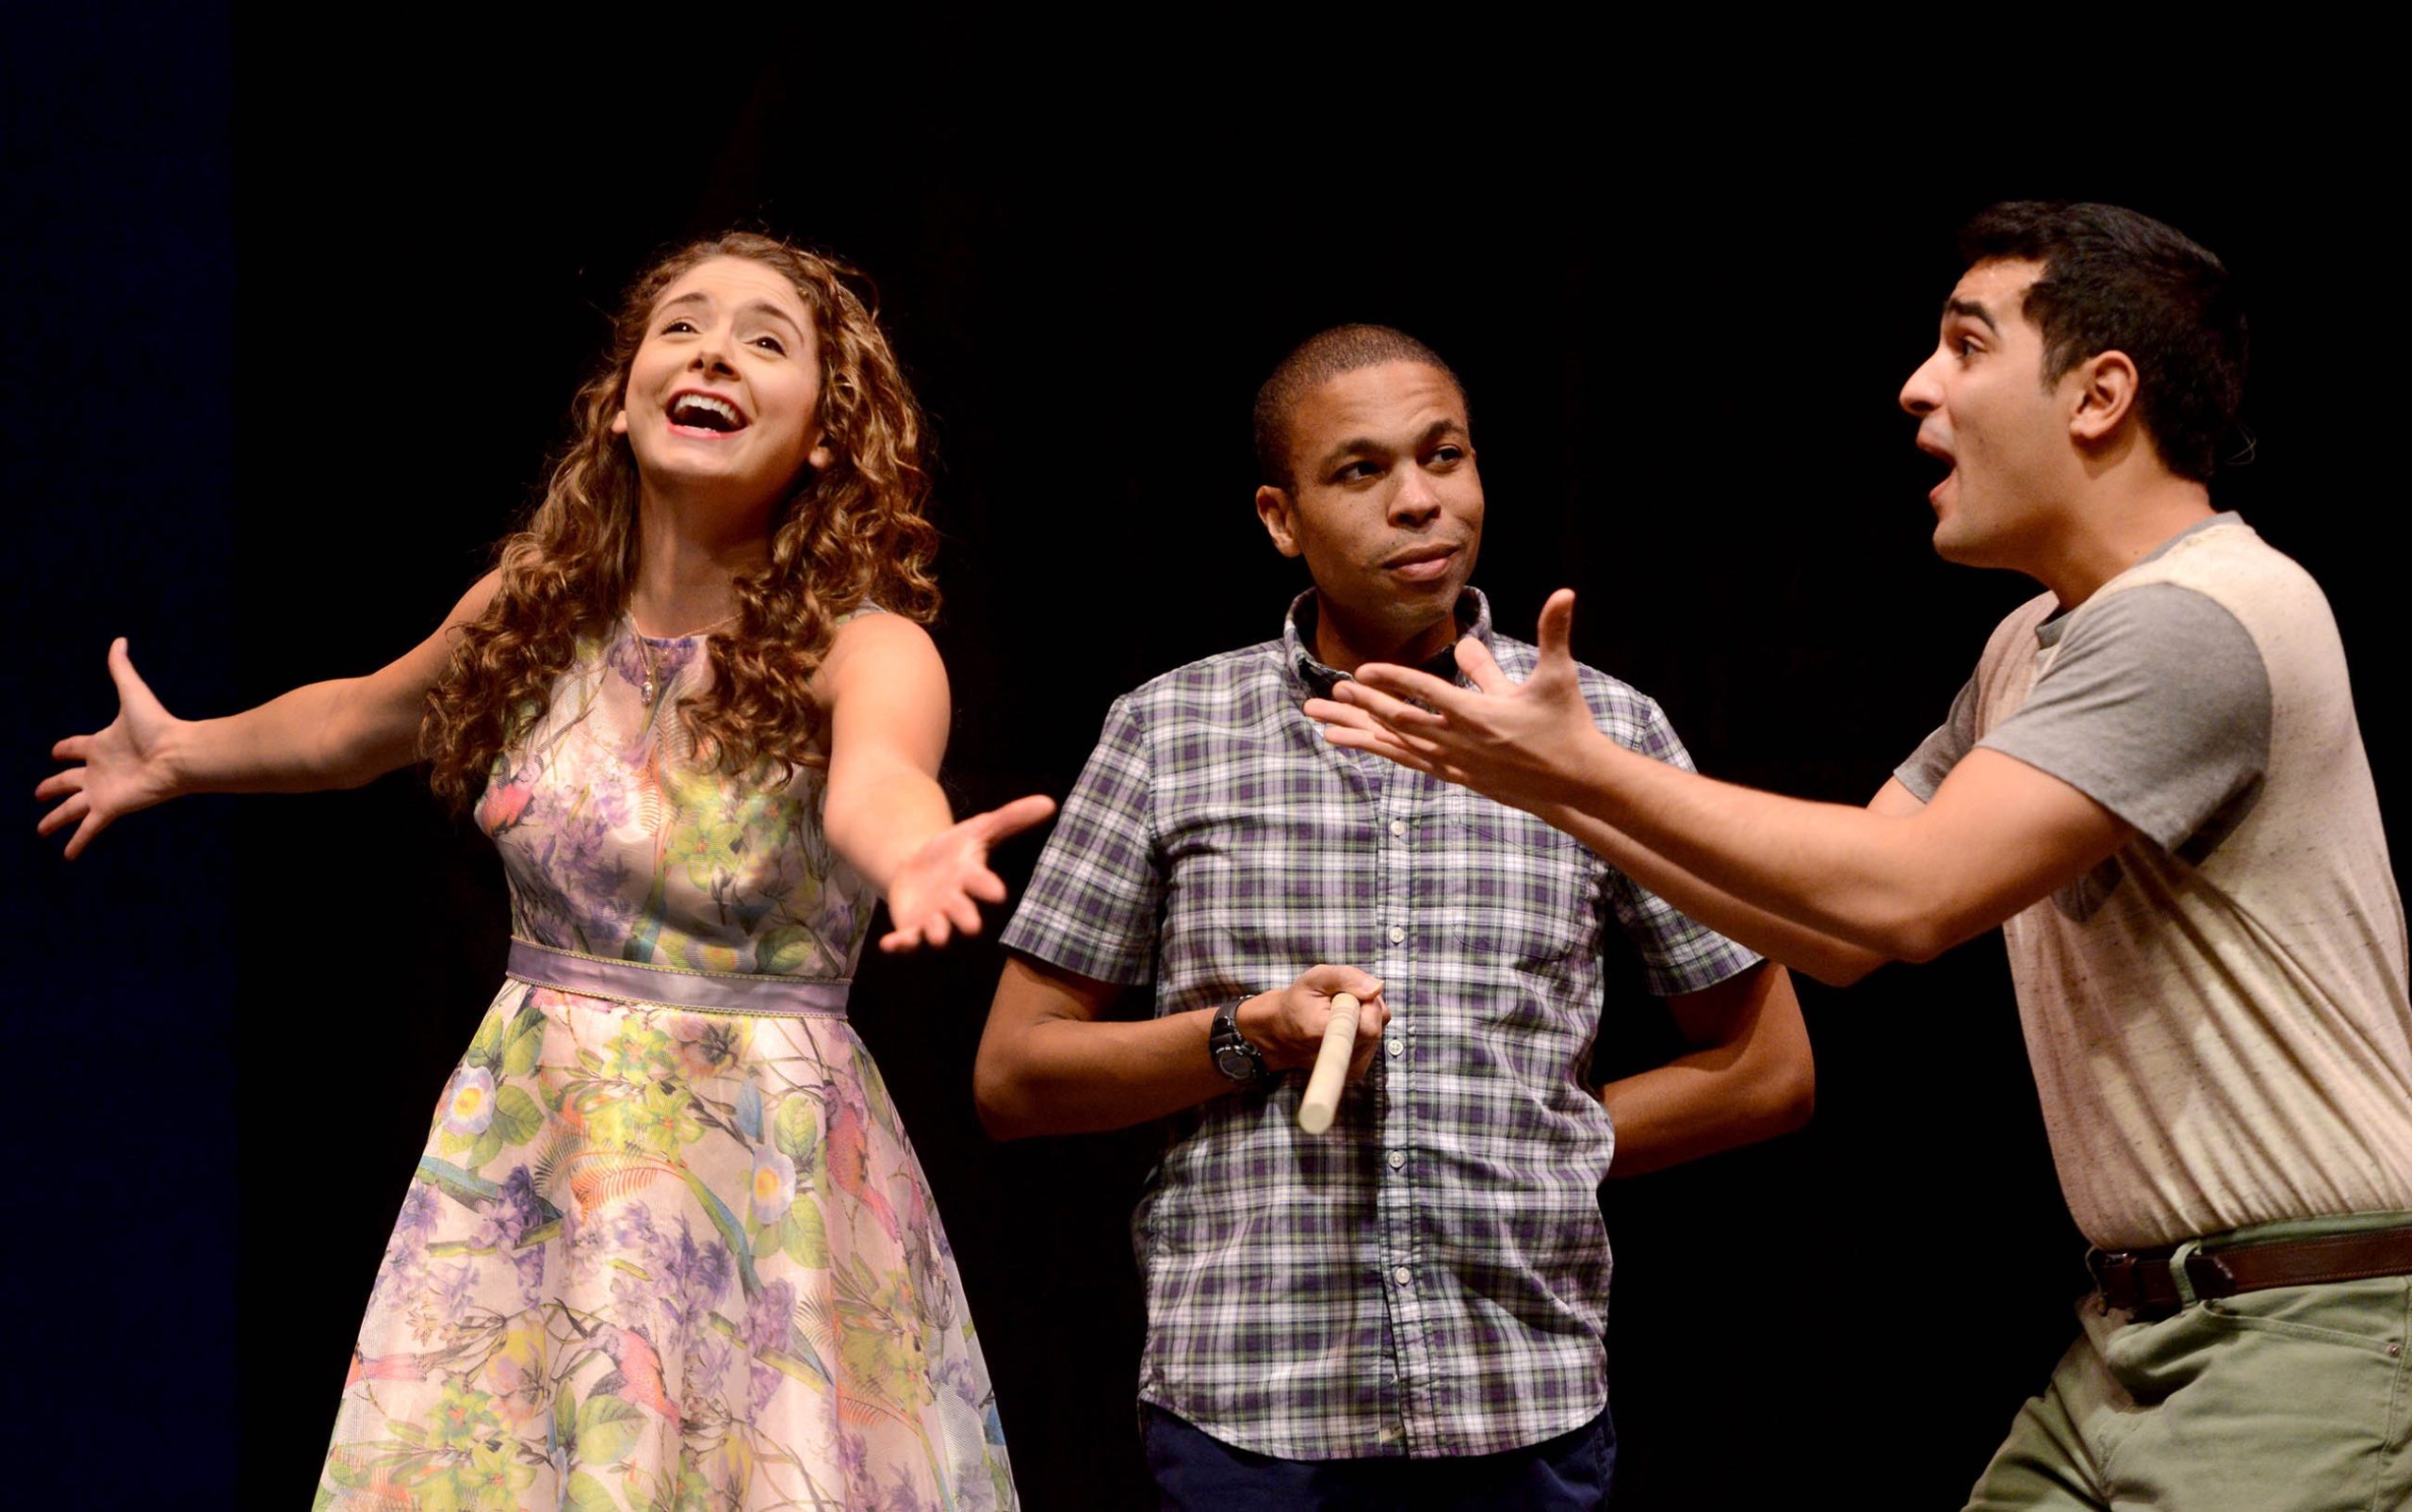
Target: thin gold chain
[(644, 650)]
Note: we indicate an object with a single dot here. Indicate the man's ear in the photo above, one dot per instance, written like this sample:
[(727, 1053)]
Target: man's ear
[(1273, 508), (2105, 390)]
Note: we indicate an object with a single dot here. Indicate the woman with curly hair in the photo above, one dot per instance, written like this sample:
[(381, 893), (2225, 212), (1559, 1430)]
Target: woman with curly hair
[(668, 1245)]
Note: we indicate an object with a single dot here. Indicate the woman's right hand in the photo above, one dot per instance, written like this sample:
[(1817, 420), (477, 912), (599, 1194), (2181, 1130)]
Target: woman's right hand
[(121, 767)]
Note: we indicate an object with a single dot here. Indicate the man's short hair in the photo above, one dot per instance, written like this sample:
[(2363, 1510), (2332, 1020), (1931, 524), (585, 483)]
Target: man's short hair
[(1319, 359), (2117, 280)]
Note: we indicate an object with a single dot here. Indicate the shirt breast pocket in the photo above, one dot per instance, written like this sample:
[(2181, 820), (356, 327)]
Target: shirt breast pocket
[(1258, 891), (1517, 895)]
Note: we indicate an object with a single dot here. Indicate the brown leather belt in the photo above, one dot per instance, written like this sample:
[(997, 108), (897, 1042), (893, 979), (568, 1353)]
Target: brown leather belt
[(2140, 1281)]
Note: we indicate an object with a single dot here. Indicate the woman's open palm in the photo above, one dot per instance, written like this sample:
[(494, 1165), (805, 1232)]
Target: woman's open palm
[(120, 768)]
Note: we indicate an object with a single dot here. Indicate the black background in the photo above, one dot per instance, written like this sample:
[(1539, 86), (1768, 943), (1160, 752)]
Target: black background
[(298, 317)]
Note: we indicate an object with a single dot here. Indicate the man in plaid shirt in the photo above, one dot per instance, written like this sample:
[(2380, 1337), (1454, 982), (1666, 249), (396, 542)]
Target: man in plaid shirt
[(1412, 1308)]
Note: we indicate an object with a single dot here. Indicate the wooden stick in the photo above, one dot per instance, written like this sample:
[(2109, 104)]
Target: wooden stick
[(1331, 1066)]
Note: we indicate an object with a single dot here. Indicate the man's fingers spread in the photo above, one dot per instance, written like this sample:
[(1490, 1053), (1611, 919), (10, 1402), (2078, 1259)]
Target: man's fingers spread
[(1375, 702), (1381, 744), (1332, 711), (1353, 737), (121, 671), (1377, 736), (64, 814), (1557, 632), (72, 780), (1476, 660), (1385, 697), (1410, 749)]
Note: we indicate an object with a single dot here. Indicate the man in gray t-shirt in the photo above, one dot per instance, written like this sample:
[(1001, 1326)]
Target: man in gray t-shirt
[(2155, 784)]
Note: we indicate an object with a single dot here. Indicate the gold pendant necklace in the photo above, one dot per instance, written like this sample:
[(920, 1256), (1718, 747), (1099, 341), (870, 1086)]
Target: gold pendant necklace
[(644, 650)]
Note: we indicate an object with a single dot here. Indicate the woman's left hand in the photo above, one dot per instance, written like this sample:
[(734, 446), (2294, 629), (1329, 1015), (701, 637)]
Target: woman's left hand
[(936, 894)]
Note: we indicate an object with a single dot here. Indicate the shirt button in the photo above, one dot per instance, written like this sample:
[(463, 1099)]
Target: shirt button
[(1398, 933), (1398, 1158), (1398, 829), (1402, 1276), (1397, 1046)]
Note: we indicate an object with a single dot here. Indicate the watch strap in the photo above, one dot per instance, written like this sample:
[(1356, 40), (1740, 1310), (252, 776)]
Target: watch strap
[(1228, 1047)]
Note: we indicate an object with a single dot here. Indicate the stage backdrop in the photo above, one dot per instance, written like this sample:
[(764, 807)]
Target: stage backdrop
[(303, 326)]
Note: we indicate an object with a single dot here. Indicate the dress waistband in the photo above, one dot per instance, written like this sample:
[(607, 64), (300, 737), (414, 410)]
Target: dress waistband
[(662, 987)]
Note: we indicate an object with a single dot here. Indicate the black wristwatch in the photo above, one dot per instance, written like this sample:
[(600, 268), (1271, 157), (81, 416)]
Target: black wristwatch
[(1233, 1056)]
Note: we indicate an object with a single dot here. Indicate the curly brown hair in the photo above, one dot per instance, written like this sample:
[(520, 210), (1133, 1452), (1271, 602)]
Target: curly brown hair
[(853, 532)]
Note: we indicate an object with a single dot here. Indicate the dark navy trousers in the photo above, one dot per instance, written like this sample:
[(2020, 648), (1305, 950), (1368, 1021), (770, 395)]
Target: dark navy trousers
[(1198, 1473)]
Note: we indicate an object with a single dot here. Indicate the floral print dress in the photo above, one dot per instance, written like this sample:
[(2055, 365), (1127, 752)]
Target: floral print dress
[(661, 1257)]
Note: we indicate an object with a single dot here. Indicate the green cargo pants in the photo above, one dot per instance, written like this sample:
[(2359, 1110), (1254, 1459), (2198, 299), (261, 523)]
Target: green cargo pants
[(2296, 1399)]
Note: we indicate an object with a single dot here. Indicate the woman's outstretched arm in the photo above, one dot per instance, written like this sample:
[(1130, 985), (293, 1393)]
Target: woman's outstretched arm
[(889, 711), (335, 734)]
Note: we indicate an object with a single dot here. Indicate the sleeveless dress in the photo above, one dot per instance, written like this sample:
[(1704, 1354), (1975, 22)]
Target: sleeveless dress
[(657, 1255)]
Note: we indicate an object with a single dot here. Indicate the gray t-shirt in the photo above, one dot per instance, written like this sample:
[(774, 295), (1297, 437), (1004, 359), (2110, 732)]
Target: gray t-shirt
[(2156, 706), (2217, 1015)]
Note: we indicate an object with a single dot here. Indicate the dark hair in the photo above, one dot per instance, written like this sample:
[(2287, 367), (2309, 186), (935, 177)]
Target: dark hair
[(2117, 280), (1319, 359)]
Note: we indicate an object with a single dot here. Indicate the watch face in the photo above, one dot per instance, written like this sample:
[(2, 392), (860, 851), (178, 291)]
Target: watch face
[(1235, 1062)]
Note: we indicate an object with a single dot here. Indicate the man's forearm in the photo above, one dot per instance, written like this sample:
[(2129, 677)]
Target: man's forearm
[(1751, 1077), (1832, 960), (1690, 1107), (1998, 836), (1077, 1076), (1832, 868), (1050, 1062)]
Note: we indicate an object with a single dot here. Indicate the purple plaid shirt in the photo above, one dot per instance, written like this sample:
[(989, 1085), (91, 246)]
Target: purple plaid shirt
[(1431, 1277)]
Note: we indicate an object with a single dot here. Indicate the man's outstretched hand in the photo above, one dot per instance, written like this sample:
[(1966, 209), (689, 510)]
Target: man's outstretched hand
[(1520, 743)]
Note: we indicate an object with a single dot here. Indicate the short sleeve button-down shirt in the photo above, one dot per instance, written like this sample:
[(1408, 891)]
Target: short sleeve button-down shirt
[(1431, 1277)]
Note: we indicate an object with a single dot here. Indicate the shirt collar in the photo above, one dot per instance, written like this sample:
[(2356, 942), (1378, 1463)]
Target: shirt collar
[(1298, 634), (2057, 624)]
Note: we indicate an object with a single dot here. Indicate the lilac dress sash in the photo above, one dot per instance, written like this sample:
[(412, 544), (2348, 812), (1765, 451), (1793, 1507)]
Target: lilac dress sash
[(663, 986)]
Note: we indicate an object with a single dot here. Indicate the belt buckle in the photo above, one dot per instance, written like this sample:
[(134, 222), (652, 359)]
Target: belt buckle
[(2115, 1275), (2208, 1276)]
